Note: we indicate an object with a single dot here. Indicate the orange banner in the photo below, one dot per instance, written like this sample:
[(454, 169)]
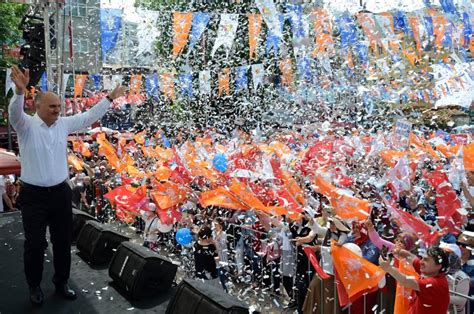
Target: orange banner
[(468, 154), (323, 32), (135, 84), (414, 21), (255, 27), (181, 28), (286, 68), (168, 194), (167, 85), (224, 81), (79, 84), (75, 162)]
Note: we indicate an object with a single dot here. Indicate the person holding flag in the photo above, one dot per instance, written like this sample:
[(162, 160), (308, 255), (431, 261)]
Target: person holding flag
[(45, 194), (430, 290)]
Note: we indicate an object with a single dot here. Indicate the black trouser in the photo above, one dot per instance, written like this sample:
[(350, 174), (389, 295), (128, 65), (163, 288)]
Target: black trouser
[(41, 207)]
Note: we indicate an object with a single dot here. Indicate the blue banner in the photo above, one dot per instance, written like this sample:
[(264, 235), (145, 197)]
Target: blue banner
[(198, 26), (303, 68), (44, 82), (295, 16), (186, 83), (400, 22), (467, 31), (348, 30), (97, 79), (361, 50), (152, 85), (273, 40), (110, 25), (241, 79), (448, 6)]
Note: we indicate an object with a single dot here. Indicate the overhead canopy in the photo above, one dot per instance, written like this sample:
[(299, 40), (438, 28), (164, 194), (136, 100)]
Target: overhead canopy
[(9, 163)]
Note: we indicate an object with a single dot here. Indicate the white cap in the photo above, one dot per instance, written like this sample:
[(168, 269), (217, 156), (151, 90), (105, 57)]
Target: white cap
[(451, 247)]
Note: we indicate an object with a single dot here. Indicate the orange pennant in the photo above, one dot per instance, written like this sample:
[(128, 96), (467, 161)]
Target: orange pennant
[(181, 27), (79, 84), (255, 26), (167, 85), (224, 81), (323, 31), (286, 68), (135, 84)]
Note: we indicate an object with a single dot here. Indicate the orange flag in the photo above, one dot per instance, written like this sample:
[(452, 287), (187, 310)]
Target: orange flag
[(402, 297), (167, 85), (246, 196), (162, 173), (168, 194), (181, 27), (135, 84), (286, 68), (357, 275), (139, 138), (224, 81), (255, 26), (367, 22), (76, 162), (391, 157), (221, 197), (345, 206), (80, 147), (79, 84), (468, 155), (323, 31)]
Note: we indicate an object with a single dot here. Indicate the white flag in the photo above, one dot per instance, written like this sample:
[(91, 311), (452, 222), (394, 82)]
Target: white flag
[(226, 33), (270, 16), (258, 74), (147, 31), (65, 80), (205, 82), (8, 82)]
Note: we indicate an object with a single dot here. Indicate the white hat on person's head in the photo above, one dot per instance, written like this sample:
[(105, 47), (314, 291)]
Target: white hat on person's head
[(339, 224), (451, 247)]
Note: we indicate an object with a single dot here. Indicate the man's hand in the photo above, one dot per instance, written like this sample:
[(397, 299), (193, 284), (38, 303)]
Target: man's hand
[(384, 264), (118, 91), (20, 79)]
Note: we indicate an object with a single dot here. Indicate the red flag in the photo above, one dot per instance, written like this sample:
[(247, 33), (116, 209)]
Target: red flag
[(314, 261)]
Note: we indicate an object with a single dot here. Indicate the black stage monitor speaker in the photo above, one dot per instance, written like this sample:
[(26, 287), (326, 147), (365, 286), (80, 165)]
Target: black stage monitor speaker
[(140, 272), (198, 297), (79, 219), (97, 242)]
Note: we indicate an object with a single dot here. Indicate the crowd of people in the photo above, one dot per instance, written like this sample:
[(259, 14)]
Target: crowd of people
[(290, 210)]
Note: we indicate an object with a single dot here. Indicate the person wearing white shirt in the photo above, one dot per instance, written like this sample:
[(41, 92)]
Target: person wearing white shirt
[(45, 195)]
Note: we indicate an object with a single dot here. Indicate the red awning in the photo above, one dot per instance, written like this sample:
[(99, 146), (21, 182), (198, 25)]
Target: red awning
[(9, 163)]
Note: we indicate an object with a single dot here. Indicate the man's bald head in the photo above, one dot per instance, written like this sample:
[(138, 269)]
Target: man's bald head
[(48, 107)]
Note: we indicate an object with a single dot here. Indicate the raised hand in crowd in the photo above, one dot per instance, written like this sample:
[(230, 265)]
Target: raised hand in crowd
[(21, 79)]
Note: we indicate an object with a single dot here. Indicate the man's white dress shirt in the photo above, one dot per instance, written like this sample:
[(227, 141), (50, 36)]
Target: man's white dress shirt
[(43, 149)]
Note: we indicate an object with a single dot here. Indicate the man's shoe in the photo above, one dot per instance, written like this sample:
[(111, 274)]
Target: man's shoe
[(36, 295), (65, 291)]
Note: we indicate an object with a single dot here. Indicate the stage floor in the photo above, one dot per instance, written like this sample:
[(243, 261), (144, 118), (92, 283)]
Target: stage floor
[(92, 285)]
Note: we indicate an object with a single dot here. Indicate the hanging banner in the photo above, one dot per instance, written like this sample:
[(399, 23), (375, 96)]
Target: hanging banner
[(255, 27), (299, 27), (224, 82), (323, 31), (79, 84), (186, 84), (96, 78), (286, 68), (135, 84), (226, 33), (147, 32), (274, 40), (348, 30), (258, 74), (8, 82), (199, 24), (205, 82), (167, 85), (400, 22), (66, 77), (241, 80), (152, 85), (110, 25), (414, 23), (303, 66), (271, 16), (181, 27), (44, 82), (367, 22)]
